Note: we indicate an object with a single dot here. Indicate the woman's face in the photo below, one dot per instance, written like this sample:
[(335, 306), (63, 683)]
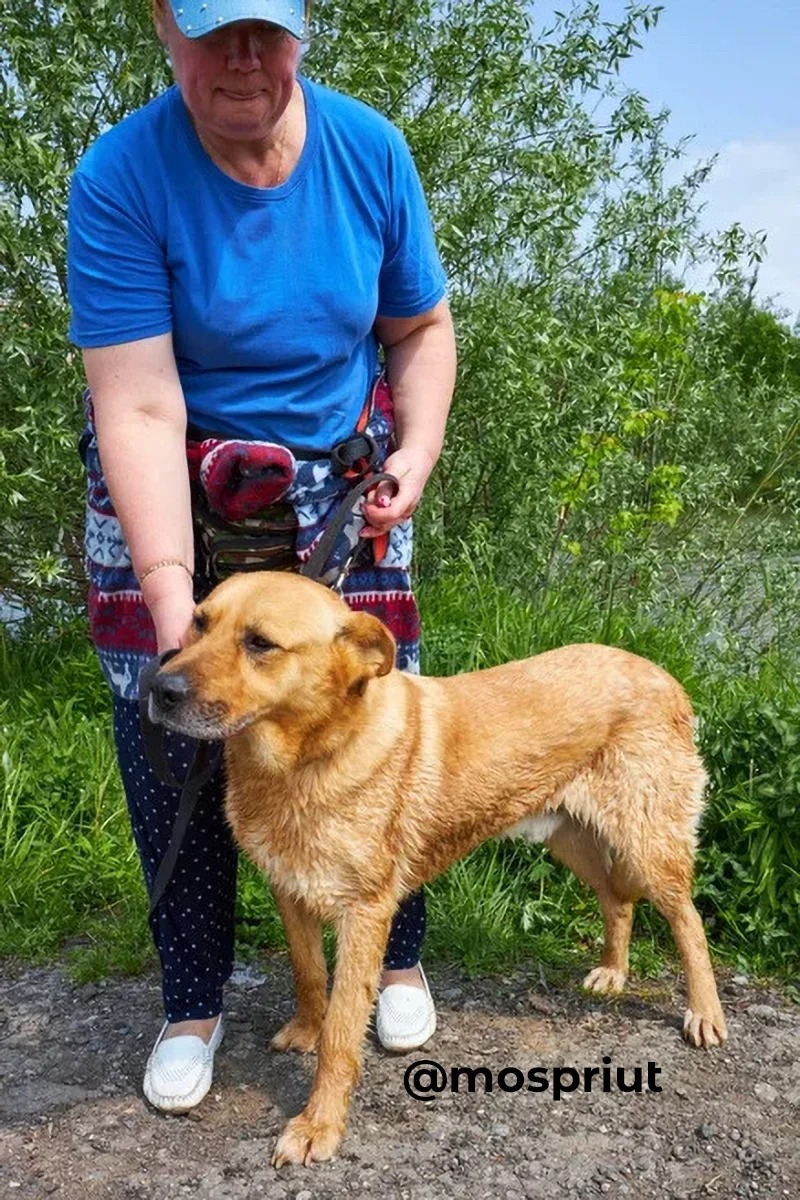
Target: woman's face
[(236, 81)]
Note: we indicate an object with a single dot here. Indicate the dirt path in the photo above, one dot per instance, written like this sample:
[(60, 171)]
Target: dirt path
[(73, 1122)]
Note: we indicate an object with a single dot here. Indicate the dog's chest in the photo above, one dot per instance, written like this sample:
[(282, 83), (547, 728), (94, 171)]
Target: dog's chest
[(319, 888), (307, 864)]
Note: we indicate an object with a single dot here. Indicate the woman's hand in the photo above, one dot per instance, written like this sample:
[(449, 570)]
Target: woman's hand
[(383, 511), (421, 371), (171, 604)]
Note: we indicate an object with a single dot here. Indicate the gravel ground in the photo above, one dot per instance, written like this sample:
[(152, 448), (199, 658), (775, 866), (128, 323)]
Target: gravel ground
[(73, 1122)]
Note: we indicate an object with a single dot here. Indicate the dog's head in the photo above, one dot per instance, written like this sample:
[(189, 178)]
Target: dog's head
[(270, 646)]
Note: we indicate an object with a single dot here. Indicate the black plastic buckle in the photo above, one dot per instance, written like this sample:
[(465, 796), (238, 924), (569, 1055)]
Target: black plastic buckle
[(358, 454)]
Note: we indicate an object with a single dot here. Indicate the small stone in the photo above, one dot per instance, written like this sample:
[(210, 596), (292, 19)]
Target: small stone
[(680, 1152), (764, 1012), (766, 1092), (539, 1003), (741, 980), (706, 1132), (304, 1195), (793, 1096), (681, 1091)]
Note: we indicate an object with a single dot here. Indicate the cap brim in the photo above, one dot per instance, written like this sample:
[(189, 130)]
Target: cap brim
[(195, 18)]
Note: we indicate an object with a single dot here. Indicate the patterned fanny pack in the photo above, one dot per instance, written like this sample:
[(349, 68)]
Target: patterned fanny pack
[(241, 491), (239, 521)]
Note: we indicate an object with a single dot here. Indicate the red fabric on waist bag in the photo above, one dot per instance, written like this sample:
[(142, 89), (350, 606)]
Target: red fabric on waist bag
[(241, 478)]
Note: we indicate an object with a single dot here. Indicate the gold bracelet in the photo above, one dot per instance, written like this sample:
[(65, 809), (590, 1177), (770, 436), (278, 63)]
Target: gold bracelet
[(165, 562)]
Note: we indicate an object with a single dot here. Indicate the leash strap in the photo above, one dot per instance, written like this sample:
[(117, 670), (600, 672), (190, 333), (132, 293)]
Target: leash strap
[(205, 760), (153, 735), (315, 566)]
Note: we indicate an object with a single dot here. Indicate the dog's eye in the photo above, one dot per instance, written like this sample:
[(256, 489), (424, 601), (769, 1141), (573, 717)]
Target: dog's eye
[(200, 622), (257, 643)]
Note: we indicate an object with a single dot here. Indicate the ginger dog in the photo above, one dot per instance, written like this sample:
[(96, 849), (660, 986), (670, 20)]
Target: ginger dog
[(351, 783)]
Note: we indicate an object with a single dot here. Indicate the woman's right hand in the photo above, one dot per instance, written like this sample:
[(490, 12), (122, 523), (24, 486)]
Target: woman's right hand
[(171, 605)]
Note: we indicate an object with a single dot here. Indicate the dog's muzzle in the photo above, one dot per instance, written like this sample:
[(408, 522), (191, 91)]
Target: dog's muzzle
[(168, 691), (168, 699)]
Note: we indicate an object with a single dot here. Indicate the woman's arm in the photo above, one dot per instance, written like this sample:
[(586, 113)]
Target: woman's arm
[(140, 418), (421, 370)]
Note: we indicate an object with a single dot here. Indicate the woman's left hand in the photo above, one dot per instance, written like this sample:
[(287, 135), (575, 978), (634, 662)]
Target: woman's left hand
[(383, 511)]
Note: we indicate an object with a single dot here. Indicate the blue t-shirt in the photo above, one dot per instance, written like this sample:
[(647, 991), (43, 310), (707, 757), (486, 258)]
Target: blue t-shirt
[(271, 294)]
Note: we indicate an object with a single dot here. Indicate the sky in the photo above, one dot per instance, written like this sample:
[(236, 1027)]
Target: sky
[(729, 71)]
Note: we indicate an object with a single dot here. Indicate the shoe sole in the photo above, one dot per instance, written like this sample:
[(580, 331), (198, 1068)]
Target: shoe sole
[(184, 1105), (399, 1046)]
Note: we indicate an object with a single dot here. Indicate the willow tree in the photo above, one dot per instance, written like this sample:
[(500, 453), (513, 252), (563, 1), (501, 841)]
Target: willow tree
[(547, 183)]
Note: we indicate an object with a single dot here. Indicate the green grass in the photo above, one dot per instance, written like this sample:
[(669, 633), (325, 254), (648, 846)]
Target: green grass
[(67, 855), (70, 880)]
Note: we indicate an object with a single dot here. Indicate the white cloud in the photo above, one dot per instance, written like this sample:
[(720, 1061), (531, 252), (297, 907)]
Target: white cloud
[(757, 183)]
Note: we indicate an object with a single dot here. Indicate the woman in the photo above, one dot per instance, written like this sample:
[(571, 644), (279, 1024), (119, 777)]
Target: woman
[(238, 249)]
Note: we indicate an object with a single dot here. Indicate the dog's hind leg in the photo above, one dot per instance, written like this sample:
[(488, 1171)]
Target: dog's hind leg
[(668, 886), (582, 850), (655, 832), (314, 1134), (304, 933)]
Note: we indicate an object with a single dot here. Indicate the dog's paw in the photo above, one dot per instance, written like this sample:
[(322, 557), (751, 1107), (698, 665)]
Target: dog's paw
[(297, 1035), (304, 1141), (705, 1029), (605, 979)]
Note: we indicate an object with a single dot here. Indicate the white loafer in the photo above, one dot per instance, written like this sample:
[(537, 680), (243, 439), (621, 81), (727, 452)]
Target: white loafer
[(405, 1016), (179, 1070)]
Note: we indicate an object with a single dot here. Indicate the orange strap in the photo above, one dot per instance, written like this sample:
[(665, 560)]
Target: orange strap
[(380, 544)]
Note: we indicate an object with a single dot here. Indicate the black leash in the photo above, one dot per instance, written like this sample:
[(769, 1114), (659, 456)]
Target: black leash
[(206, 756), (205, 761), (315, 567)]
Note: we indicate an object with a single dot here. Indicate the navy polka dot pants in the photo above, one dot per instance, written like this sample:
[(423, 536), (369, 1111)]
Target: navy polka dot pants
[(193, 927)]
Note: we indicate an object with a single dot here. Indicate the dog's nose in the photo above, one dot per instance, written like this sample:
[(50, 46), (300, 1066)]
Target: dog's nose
[(169, 689)]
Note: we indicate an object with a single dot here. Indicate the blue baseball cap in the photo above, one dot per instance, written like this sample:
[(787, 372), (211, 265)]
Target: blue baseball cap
[(196, 17)]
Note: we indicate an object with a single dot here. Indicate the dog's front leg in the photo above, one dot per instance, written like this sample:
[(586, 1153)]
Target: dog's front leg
[(304, 934), (315, 1133)]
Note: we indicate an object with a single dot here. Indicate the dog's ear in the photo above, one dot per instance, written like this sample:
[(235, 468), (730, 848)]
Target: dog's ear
[(371, 649)]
